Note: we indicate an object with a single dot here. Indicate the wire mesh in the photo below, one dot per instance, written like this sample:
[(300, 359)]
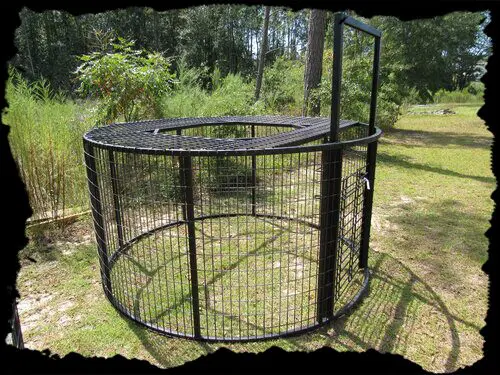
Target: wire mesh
[(226, 245)]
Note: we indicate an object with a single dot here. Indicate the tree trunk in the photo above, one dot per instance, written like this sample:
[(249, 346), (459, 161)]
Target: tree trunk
[(263, 50), (293, 47), (314, 60)]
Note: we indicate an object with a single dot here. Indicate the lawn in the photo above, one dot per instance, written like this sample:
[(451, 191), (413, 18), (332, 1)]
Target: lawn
[(428, 295)]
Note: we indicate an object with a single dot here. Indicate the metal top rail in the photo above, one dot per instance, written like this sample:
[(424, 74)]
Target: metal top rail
[(160, 135)]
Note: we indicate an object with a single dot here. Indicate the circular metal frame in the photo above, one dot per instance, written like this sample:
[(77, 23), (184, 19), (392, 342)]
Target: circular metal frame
[(341, 211)]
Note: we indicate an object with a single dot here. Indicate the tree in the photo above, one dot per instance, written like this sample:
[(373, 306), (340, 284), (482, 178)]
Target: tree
[(448, 60), (263, 51), (314, 61)]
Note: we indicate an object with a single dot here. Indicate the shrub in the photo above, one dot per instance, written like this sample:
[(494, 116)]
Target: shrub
[(472, 93), (283, 87), (128, 82), (475, 88), (184, 101), (356, 91), (231, 96)]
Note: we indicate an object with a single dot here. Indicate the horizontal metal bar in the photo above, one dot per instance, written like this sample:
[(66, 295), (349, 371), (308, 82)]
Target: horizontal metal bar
[(348, 20)]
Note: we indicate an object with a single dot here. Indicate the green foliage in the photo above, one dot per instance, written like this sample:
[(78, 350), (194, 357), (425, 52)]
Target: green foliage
[(356, 88), (157, 180), (46, 141), (475, 88), (184, 101), (128, 82), (283, 85), (472, 93), (229, 175), (232, 96), (450, 59)]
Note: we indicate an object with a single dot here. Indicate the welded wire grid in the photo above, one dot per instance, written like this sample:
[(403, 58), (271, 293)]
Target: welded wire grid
[(223, 247)]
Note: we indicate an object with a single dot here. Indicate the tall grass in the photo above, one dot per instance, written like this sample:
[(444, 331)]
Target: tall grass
[(46, 141), (231, 96)]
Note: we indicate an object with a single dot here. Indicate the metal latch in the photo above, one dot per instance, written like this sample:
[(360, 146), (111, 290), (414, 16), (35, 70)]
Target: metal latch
[(367, 182)]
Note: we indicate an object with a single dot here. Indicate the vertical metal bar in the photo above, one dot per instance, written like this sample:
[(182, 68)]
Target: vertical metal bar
[(182, 182), (375, 78), (323, 236), (187, 170), (16, 333), (95, 202), (254, 177), (116, 200), (368, 204), (336, 166), (330, 187), (370, 162), (338, 47)]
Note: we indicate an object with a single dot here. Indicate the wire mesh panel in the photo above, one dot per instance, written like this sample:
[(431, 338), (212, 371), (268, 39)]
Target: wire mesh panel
[(234, 243)]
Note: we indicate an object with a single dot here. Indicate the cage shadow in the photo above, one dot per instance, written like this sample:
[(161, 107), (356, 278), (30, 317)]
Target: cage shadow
[(399, 309), (444, 226), (403, 161), (423, 138)]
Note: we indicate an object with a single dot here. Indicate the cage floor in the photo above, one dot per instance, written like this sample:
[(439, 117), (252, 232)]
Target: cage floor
[(256, 277)]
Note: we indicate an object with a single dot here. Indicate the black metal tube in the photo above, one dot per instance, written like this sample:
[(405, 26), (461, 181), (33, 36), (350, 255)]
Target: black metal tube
[(254, 177), (189, 201), (370, 161), (330, 187), (338, 46), (182, 182), (329, 229), (323, 239), (375, 78), (368, 205), (333, 241), (116, 199), (95, 202), (16, 333), (348, 20), (329, 224)]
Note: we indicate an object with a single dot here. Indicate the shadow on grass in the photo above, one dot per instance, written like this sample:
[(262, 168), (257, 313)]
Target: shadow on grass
[(422, 138), (404, 161), (401, 314), (439, 230)]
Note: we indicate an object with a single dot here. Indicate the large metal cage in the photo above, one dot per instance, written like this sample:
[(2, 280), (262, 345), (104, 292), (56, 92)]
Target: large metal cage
[(235, 228)]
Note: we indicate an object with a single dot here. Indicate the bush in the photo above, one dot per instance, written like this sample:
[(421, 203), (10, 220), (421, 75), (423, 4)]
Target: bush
[(472, 93), (231, 96), (184, 101), (476, 89), (356, 91), (283, 86), (128, 82)]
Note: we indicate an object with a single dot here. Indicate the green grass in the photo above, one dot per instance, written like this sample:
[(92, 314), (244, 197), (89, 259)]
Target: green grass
[(428, 295)]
